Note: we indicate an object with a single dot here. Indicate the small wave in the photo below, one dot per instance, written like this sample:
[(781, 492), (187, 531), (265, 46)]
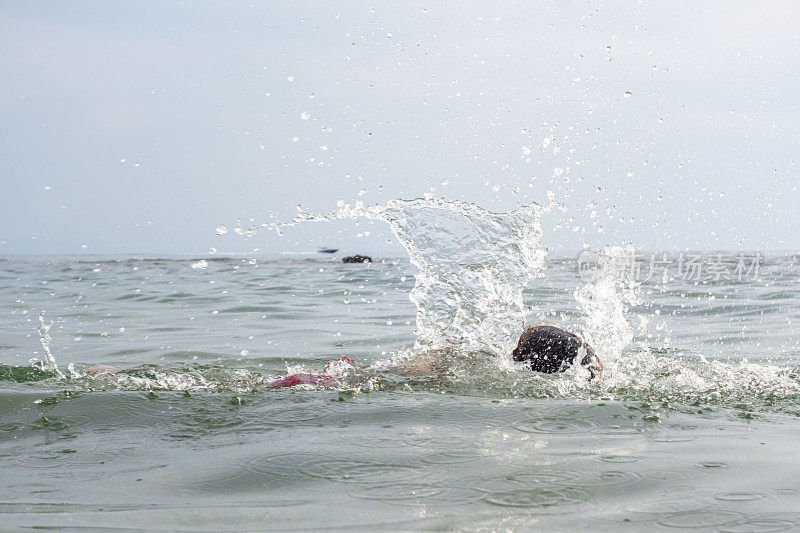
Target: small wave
[(655, 382)]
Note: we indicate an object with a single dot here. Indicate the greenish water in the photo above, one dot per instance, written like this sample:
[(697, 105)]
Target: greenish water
[(695, 427)]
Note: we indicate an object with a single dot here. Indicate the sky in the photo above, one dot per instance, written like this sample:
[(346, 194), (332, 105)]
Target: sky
[(140, 127)]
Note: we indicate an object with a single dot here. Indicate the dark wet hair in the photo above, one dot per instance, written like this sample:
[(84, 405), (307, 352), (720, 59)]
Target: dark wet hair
[(551, 350)]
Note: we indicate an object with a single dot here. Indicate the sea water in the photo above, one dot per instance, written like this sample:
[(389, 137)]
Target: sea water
[(138, 393)]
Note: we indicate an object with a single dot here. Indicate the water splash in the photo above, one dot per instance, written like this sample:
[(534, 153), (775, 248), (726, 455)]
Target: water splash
[(604, 301), (48, 364), (472, 266)]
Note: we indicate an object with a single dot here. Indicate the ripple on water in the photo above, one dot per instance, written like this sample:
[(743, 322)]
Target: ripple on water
[(611, 478), (451, 457), (243, 475), (739, 496), (415, 494), (560, 425), (347, 470), (393, 438), (668, 474), (402, 493), (538, 497), (765, 523), (700, 519), (86, 465), (565, 478)]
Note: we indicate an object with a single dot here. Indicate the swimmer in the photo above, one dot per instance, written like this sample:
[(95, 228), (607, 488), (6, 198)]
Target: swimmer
[(546, 349)]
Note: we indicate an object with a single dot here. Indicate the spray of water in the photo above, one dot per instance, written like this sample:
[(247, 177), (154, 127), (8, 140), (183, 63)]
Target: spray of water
[(472, 266), (49, 362), (604, 301)]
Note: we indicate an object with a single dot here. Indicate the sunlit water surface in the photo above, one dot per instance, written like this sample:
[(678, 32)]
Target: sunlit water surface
[(695, 426)]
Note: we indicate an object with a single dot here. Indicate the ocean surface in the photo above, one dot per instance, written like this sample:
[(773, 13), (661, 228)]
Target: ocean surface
[(140, 393)]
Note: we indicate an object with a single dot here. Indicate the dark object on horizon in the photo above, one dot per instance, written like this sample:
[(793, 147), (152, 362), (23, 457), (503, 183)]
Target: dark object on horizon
[(550, 350), (327, 250), (357, 259)]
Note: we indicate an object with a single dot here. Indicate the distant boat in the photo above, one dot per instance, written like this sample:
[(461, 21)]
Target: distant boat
[(327, 250)]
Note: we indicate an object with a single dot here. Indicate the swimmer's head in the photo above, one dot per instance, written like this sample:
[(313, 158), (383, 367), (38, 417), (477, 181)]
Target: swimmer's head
[(551, 350)]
